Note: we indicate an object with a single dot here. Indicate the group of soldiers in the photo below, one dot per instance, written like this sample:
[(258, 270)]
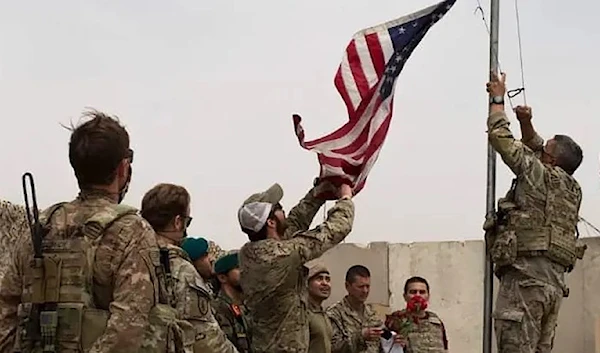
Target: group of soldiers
[(94, 275)]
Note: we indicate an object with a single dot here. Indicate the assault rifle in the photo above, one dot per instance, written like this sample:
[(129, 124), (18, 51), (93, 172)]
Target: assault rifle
[(43, 319)]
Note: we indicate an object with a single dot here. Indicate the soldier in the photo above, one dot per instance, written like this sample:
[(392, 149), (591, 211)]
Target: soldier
[(228, 306), (198, 252), (356, 328), (426, 332), (319, 289), (532, 242), (102, 265), (214, 252), (272, 274), (167, 208), (13, 228)]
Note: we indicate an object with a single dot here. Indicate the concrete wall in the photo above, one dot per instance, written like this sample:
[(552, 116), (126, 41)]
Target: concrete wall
[(455, 273)]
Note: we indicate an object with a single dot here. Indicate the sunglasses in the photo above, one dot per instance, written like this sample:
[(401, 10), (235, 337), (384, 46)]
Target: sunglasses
[(129, 155), (188, 220)]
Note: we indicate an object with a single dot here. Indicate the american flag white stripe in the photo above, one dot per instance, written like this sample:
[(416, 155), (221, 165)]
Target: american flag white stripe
[(367, 68), (350, 84), (366, 80), (386, 44)]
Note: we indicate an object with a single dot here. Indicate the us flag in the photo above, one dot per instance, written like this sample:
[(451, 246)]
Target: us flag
[(366, 80)]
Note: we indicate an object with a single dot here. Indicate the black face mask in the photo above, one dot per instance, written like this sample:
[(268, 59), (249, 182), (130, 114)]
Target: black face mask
[(125, 187)]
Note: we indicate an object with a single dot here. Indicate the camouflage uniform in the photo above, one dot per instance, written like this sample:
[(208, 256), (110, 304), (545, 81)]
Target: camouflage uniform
[(274, 279), (191, 297), (215, 251), (123, 277), (13, 229), (318, 322), (534, 243), (348, 325), (234, 322), (427, 336)]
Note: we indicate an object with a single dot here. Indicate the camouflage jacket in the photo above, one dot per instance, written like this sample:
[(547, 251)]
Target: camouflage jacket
[(347, 327), (274, 279), (522, 157), (13, 229), (192, 299), (215, 252), (233, 321), (123, 278), (427, 336)]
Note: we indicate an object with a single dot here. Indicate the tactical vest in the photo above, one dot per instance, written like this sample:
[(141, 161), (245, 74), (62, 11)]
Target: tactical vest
[(427, 336), (167, 256), (58, 312), (546, 224)]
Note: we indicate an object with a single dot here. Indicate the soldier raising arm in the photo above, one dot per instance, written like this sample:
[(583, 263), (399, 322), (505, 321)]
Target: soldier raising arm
[(529, 136), (534, 240), (273, 277)]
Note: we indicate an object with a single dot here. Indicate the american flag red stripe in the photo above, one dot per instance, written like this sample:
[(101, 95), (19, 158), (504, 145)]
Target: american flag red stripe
[(366, 80)]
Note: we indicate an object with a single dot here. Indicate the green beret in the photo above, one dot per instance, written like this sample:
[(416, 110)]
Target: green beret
[(195, 247), (226, 263)]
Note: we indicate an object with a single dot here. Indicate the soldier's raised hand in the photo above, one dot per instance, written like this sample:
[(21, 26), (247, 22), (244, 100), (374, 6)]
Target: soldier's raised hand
[(326, 190), (497, 85), (523, 113), (345, 190)]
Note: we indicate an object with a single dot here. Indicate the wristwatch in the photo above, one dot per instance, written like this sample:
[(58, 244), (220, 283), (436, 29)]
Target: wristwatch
[(497, 100)]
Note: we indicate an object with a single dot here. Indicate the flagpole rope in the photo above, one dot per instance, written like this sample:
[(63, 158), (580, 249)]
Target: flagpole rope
[(590, 225), (513, 92), (520, 52)]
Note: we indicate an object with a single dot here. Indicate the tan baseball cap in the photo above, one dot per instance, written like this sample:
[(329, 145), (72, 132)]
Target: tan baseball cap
[(255, 210)]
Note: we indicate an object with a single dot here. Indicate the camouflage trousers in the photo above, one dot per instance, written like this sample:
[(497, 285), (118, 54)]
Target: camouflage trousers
[(526, 314)]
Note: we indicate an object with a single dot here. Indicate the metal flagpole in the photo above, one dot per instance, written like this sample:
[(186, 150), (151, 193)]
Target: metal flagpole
[(488, 287)]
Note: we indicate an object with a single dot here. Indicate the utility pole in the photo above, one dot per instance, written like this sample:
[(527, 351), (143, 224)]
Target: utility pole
[(488, 286)]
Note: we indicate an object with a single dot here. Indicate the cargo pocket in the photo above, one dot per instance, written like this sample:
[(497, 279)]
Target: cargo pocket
[(24, 335), (94, 323), (563, 247), (158, 335), (508, 324), (70, 326), (504, 249)]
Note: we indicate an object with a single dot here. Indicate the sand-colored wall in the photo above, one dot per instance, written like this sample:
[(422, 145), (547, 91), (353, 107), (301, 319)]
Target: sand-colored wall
[(455, 273)]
